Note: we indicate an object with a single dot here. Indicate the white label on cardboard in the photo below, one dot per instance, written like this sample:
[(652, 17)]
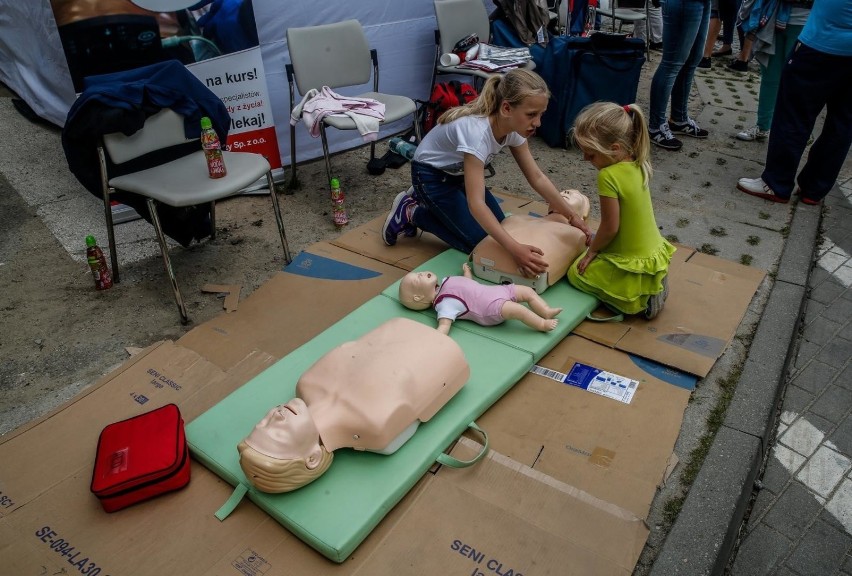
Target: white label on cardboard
[(593, 380)]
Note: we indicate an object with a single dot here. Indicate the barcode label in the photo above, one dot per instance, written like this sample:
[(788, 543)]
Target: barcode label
[(594, 380)]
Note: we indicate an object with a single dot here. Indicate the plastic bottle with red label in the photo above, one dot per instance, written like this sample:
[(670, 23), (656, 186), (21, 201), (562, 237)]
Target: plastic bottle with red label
[(97, 262), (338, 209), (212, 149)]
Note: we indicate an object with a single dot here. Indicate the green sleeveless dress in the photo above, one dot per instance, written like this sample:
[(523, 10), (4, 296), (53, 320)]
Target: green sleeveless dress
[(632, 267)]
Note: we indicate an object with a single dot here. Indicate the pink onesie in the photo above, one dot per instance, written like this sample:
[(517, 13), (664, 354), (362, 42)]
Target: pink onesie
[(483, 303)]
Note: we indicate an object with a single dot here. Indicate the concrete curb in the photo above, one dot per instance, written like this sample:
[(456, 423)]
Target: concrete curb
[(702, 538)]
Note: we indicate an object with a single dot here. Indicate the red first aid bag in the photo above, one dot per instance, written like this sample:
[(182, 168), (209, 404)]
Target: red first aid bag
[(140, 458)]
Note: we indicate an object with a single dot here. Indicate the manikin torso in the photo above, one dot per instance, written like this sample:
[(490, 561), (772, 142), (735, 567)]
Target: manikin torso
[(560, 243), (368, 394)]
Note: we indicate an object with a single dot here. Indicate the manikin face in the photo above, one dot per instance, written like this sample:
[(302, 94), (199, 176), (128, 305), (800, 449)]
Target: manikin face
[(525, 118), (423, 284), (287, 432)]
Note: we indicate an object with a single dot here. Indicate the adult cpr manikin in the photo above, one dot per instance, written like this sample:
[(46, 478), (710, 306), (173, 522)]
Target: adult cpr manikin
[(368, 394)]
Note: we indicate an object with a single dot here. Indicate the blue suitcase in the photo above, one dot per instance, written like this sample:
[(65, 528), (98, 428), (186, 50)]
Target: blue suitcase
[(579, 71)]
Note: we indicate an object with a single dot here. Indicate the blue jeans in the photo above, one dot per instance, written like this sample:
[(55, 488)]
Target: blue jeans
[(442, 207), (811, 80), (684, 32)]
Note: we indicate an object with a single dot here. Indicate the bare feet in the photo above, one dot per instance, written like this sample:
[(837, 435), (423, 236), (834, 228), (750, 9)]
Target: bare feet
[(551, 313), (547, 325)]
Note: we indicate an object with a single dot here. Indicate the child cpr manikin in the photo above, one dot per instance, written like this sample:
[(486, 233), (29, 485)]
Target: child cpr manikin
[(560, 242)]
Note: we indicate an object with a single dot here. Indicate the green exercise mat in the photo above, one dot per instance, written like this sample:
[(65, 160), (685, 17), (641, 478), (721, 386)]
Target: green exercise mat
[(337, 511)]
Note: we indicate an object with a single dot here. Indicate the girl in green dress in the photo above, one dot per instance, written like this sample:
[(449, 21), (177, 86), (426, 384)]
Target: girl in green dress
[(627, 262)]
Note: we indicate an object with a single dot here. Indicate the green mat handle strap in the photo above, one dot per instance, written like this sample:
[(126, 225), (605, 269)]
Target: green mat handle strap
[(232, 502), (613, 318), (453, 462)]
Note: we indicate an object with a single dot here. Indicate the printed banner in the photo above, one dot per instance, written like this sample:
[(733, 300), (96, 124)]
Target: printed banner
[(215, 39), (238, 80)]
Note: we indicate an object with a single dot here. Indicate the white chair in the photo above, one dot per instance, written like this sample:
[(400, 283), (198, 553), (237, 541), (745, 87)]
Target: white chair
[(456, 20), (179, 182), (337, 55)]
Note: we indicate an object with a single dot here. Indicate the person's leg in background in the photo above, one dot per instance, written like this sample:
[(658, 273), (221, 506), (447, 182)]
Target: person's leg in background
[(803, 92), (829, 150), (770, 78), (655, 23), (713, 29), (728, 15), (696, 24), (684, 32)]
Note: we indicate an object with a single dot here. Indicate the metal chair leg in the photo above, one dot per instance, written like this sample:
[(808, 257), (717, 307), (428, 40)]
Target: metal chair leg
[(213, 220), (325, 155), (164, 249), (105, 192), (279, 220)]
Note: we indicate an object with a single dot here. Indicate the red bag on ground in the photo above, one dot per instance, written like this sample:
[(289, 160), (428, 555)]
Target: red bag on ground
[(140, 458)]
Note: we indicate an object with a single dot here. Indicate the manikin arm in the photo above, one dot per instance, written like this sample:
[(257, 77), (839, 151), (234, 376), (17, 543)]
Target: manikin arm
[(444, 325)]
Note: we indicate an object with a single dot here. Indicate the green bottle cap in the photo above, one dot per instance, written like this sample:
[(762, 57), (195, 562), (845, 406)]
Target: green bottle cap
[(90, 241), (335, 183), (206, 123)]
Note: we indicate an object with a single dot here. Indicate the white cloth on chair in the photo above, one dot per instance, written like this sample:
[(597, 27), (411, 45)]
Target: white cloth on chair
[(367, 113)]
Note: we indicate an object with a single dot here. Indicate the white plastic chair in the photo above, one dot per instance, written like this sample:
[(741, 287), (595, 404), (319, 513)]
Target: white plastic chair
[(456, 20), (180, 182), (337, 55)]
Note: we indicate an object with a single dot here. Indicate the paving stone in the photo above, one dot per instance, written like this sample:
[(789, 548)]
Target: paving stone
[(802, 437), (797, 399), (820, 551), (789, 460), (847, 564), (824, 471), (807, 352), (839, 309), (833, 404), (828, 290), (821, 331), (845, 378), (815, 377), (836, 353), (761, 504), (794, 510), (846, 331), (818, 276), (784, 571), (776, 476), (761, 552), (841, 436)]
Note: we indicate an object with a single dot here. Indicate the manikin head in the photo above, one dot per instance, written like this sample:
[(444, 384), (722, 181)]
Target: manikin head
[(578, 202), (283, 452), (417, 290)]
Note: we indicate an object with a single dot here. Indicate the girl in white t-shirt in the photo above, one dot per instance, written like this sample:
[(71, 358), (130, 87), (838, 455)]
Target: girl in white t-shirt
[(450, 198)]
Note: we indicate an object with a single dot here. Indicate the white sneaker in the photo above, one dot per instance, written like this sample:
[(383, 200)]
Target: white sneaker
[(752, 134)]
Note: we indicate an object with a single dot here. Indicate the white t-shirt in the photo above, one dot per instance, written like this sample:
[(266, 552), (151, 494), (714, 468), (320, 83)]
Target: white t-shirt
[(445, 145)]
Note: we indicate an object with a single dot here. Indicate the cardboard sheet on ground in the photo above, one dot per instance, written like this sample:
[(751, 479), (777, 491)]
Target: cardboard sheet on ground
[(321, 285), (614, 450), (708, 297)]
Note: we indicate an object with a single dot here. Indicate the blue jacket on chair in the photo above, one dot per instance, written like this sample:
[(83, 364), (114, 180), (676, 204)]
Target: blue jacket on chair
[(121, 102)]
